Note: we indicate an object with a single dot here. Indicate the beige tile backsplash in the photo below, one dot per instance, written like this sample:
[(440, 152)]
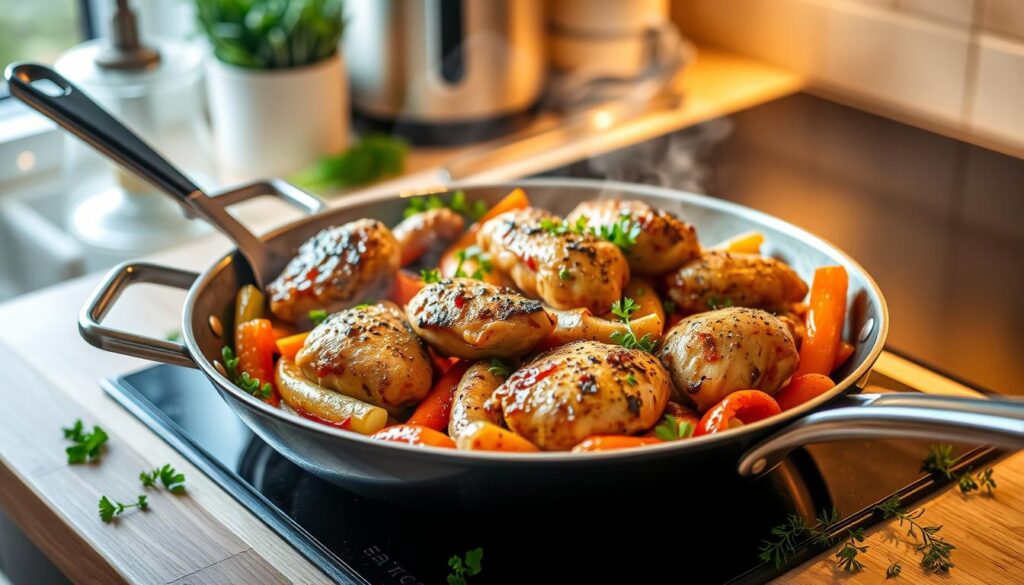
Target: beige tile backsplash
[(954, 65)]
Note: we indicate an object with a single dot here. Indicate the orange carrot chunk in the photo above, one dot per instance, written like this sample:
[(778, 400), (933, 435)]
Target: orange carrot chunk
[(289, 346), (612, 442), (436, 408), (405, 287), (740, 407), (255, 345), (414, 435), (824, 321), (803, 388)]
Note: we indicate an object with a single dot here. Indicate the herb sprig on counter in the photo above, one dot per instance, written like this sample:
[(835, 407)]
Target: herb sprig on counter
[(893, 570), (623, 309), (846, 556), (935, 551), (462, 568), (87, 446), (173, 481), (243, 380), (787, 535), (940, 460), (108, 508)]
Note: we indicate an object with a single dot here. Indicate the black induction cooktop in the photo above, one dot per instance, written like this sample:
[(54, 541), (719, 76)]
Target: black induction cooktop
[(706, 531)]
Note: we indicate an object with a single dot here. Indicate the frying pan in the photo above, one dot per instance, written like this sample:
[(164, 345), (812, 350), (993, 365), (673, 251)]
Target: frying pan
[(382, 469)]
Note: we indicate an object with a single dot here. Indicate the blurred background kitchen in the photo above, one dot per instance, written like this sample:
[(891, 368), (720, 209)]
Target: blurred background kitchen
[(891, 127)]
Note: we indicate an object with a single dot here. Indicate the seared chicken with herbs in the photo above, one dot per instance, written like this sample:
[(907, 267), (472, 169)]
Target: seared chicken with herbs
[(370, 353), (472, 319), (723, 279), (663, 242), (547, 259), (581, 389), (538, 339), (712, 354), (337, 268)]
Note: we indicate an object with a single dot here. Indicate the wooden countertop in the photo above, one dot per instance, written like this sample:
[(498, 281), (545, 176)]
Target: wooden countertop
[(50, 378)]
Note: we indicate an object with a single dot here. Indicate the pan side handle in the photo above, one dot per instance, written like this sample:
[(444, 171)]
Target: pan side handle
[(998, 422), (118, 341)]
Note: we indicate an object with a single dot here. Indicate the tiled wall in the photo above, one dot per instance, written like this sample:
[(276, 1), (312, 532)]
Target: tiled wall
[(954, 65)]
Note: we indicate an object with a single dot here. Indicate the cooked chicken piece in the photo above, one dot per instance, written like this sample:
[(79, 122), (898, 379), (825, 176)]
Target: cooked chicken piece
[(712, 354), (339, 267), (472, 319), (581, 389), (566, 270), (581, 325), (720, 279), (795, 324), (415, 234), (475, 388), (664, 243), (369, 353)]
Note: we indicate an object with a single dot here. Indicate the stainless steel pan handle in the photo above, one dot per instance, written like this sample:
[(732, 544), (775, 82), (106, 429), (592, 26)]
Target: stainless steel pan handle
[(133, 344), (50, 94), (998, 422)]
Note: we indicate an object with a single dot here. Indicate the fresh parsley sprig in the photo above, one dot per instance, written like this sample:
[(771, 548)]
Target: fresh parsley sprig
[(846, 556), (672, 429), (173, 481), (87, 446), (623, 309), (243, 380), (786, 536), (893, 570), (464, 568), (558, 227), (622, 233), (935, 551), (430, 276), (108, 508), (473, 254)]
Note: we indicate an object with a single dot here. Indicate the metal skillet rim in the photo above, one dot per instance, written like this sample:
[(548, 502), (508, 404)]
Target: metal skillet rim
[(550, 457)]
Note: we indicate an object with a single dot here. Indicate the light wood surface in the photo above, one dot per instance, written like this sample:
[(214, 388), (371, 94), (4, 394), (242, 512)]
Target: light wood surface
[(50, 378)]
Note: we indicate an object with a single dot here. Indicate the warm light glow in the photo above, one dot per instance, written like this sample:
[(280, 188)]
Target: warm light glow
[(25, 161), (603, 119)]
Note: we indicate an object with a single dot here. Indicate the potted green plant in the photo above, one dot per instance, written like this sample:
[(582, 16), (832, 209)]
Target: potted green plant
[(276, 83)]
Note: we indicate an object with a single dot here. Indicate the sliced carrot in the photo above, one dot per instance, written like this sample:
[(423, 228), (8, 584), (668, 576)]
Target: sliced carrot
[(803, 388), (612, 442), (414, 435), (441, 364), (405, 287), (289, 346), (436, 408), (486, 436), (516, 199), (745, 243), (842, 354), (740, 407), (255, 346), (824, 321)]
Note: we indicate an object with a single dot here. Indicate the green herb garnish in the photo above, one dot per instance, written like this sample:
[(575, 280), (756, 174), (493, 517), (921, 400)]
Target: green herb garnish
[(940, 460), (847, 554), (243, 380), (716, 302), (669, 305), (564, 274), (935, 551), (557, 227), (623, 309), (622, 233), (672, 429), (893, 570), (372, 158), (631, 380), (464, 568), (173, 481), (457, 203), (498, 368), (430, 276), (108, 509), (786, 535), (87, 446), (473, 254), (317, 316)]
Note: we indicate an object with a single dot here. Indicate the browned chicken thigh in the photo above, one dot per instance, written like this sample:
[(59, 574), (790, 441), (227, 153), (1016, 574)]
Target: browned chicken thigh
[(717, 279), (337, 268), (712, 354), (581, 389), (663, 243), (370, 353), (564, 269), (472, 319)]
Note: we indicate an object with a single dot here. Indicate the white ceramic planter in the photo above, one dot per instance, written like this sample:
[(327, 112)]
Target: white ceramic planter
[(273, 122)]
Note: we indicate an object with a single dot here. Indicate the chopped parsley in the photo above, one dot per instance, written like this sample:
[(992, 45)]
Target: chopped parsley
[(631, 379), (623, 309), (430, 276), (317, 316), (564, 274), (673, 429), (457, 203), (622, 233), (558, 227), (473, 254), (716, 302), (498, 368), (108, 509), (173, 481), (461, 568), (87, 446), (243, 380)]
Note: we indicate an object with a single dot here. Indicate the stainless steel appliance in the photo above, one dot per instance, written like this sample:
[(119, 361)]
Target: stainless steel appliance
[(445, 71)]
